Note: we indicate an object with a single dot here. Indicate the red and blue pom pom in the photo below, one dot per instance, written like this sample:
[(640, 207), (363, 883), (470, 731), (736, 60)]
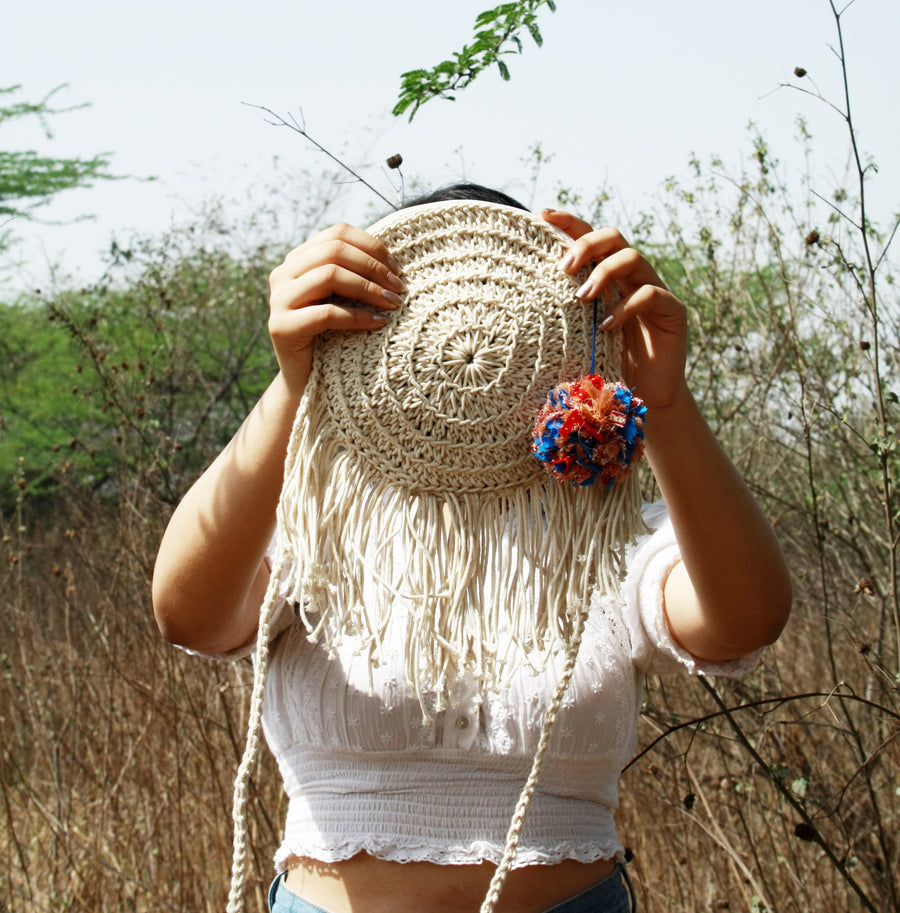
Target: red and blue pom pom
[(590, 431)]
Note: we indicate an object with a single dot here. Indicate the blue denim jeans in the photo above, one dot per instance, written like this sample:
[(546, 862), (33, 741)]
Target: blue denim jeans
[(614, 894)]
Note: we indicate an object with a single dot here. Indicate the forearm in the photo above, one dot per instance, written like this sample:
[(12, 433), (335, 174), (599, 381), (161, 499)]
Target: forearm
[(732, 594), (209, 575)]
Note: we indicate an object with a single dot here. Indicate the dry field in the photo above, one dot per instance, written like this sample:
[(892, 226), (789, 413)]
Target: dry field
[(778, 792), (118, 752)]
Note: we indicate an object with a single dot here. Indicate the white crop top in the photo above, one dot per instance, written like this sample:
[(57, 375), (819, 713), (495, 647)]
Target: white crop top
[(363, 772)]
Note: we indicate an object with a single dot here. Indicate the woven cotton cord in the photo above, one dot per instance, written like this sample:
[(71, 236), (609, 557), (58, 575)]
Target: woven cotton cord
[(251, 749), (550, 717)]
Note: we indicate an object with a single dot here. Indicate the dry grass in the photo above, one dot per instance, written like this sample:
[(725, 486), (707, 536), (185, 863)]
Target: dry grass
[(118, 753)]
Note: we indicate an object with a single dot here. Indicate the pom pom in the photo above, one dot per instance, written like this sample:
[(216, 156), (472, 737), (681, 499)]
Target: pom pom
[(590, 431)]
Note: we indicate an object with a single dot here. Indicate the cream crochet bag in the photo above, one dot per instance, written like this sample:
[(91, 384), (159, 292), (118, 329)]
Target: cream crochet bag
[(410, 472)]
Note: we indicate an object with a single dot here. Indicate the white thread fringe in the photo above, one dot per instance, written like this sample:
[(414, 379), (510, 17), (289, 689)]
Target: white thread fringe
[(472, 566)]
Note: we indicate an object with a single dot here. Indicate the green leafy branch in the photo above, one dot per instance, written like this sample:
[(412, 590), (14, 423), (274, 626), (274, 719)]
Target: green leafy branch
[(41, 108), (37, 178), (495, 30), (30, 179)]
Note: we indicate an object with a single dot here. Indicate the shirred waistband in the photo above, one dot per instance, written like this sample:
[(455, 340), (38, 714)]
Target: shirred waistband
[(434, 811), (330, 770)]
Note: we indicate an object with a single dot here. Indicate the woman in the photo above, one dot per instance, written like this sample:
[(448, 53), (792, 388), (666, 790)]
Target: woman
[(714, 575)]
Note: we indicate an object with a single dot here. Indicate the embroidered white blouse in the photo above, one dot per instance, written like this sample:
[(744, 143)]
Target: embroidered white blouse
[(363, 772)]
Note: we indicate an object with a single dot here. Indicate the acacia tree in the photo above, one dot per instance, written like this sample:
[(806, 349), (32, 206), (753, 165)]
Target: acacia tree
[(30, 179)]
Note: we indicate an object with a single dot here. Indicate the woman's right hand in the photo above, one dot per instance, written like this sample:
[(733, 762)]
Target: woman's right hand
[(341, 261)]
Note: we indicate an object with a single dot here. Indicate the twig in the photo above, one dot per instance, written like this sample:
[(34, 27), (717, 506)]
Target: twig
[(888, 243), (300, 127), (839, 211), (786, 794), (751, 705)]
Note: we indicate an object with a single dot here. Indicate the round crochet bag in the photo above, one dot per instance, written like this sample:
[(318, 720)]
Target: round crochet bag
[(411, 471)]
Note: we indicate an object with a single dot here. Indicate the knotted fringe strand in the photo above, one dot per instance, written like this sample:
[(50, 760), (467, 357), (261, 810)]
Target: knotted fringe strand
[(550, 717)]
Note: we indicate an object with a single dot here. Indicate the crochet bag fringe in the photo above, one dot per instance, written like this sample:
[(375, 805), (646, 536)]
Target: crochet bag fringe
[(410, 473)]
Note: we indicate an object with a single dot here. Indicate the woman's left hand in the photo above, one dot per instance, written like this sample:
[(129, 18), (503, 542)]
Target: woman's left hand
[(653, 321), (731, 593)]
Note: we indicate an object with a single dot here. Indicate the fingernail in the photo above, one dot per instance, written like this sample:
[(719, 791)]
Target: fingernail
[(567, 262), (393, 264), (606, 323), (548, 209), (396, 281), (395, 299), (586, 292), (381, 316)]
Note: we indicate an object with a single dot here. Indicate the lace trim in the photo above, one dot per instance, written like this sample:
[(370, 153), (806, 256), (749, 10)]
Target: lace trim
[(289, 854)]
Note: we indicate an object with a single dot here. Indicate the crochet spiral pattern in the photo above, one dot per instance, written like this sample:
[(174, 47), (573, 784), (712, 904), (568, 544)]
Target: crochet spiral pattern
[(442, 399)]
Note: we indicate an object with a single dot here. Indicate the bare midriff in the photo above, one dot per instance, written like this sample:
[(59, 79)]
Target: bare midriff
[(365, 884)]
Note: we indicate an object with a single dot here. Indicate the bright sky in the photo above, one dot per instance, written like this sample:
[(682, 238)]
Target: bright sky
[(621, 94)]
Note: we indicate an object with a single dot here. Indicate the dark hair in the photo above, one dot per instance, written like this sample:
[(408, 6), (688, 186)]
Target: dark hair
[(465, 191)]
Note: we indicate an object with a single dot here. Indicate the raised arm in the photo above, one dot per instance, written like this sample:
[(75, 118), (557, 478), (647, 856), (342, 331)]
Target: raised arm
[(210, 575), (731, 593)]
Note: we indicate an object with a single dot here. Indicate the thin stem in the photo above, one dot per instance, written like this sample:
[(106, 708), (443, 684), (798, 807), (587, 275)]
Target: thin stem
[(293, 124), (872, 307), (788, 797), (752, 705)]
